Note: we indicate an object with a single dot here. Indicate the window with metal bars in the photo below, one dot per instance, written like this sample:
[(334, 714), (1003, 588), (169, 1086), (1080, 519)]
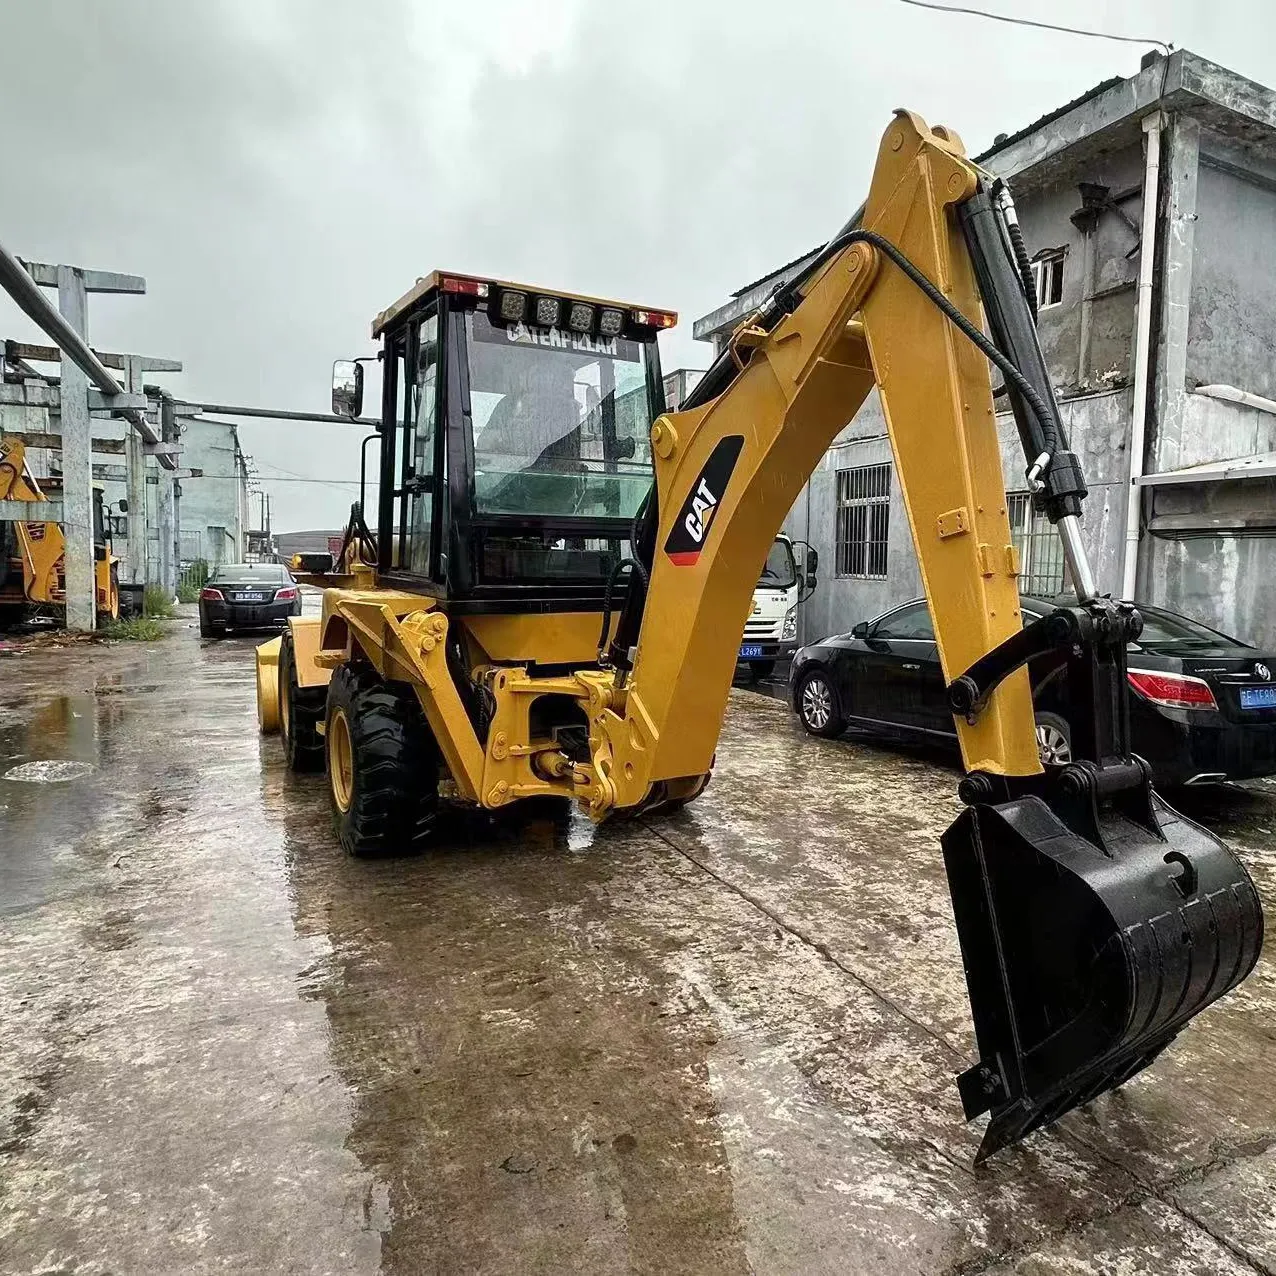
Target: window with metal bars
[(863, 521), (1041, 564)]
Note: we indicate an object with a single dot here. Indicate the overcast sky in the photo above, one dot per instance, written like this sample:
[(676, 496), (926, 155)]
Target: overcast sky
[(279, 172)]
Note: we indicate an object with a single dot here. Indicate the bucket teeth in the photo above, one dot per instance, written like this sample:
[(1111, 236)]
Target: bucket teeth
[(1083, 960)]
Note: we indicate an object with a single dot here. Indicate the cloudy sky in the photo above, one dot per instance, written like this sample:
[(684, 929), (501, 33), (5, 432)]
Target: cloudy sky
[(280, 170)]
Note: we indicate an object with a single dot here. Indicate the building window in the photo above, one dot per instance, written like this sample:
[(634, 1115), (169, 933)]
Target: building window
[(1040, 550), (863, 521), (1047, 272)]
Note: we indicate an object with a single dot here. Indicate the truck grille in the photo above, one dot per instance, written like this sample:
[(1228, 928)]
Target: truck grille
[(764, 628)]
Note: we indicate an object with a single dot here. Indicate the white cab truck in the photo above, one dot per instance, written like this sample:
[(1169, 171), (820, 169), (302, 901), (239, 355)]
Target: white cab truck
[(770, 633)]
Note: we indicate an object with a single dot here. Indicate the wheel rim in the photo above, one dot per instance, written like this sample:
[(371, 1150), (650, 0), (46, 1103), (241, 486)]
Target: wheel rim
[(817, 703), (340, 759), (1052, 745)]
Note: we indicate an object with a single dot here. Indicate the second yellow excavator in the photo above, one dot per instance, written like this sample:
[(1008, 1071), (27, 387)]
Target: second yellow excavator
[(32, 552), (553, 598)]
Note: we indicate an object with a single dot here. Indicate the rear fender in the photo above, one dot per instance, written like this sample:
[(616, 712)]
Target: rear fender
[(307, 642)]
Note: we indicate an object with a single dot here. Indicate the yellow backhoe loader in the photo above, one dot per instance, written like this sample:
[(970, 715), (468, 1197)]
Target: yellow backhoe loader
[(32, 554), (553, 598)]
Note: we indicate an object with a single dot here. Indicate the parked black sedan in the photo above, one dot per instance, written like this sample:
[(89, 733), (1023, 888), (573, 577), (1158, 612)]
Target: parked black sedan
[(1202, 705), (247, 596)]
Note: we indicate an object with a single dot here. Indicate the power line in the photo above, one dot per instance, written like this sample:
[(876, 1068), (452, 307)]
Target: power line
[(1031, 22)]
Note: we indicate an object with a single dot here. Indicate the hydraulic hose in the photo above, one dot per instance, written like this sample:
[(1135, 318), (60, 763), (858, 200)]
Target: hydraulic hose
[(634, 566)]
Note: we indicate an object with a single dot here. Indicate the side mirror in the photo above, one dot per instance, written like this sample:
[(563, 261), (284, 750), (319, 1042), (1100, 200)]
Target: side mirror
[(812, 560), (860, 630), (122, 505), (811, 580), (347, 388)]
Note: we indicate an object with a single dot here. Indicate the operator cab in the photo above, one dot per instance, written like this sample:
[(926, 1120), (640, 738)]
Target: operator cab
[(515, 440)]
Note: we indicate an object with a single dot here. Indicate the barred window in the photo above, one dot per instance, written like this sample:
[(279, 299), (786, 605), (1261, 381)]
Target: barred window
[(1040, 550), (863, 521)]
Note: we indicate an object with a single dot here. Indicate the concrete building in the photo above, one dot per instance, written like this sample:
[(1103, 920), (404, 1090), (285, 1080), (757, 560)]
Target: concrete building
[(215, 515), (1199, 142)]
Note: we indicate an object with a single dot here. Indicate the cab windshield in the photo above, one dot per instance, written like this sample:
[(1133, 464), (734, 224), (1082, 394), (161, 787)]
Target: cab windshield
[(561, 421), (780, 570)]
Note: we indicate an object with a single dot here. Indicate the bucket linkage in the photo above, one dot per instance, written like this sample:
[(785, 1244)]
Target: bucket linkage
[(1094, 920)]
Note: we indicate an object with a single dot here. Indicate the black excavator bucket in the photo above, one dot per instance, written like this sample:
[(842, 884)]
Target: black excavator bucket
[(1084, 958)]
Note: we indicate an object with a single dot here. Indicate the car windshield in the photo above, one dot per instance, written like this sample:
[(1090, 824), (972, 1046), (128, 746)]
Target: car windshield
[(561, 421), (779, 571), (271, 572)]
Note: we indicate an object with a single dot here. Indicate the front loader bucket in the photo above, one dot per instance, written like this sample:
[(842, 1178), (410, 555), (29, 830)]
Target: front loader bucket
[(1083, 961)]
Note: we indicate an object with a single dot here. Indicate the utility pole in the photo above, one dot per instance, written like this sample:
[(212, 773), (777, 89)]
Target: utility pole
[(164, 503), (135, 468), (77, 464)]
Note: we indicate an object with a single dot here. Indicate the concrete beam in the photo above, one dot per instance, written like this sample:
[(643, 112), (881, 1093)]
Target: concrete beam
[(94, 280), (16, 350), (30, 511), (117, 403), (33, 438)]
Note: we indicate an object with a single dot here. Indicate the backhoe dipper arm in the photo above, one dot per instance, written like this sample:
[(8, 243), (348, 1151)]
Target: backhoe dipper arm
[(1093, 921), (728, 472)]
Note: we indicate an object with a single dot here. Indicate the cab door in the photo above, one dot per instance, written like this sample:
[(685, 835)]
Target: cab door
[(412, 394)]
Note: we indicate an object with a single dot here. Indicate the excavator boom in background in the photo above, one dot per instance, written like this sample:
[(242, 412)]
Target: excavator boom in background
[(553, 599)]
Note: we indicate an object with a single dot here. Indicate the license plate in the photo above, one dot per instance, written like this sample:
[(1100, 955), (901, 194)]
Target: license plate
[(250, 598), (1258, 697), (750, 649)]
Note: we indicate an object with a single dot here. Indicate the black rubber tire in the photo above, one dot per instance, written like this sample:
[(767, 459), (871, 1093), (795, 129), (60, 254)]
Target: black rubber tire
[(301, 710), (211, 631), (834, 724), (394, 799), (759, 669), (1053, 722)]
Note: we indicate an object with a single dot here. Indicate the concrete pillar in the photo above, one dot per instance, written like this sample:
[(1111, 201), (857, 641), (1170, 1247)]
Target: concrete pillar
[(1179, 165), (77, 463), (135, 468), (166, 564)]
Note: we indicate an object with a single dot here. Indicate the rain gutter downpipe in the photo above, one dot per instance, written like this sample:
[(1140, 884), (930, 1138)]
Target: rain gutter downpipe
[(1152, 126)]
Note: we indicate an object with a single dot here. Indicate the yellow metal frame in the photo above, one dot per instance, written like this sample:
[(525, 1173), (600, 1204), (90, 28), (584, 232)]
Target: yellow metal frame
[(860, 324)]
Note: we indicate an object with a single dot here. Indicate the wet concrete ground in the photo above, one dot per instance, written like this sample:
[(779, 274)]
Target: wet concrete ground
[(719, 1042)]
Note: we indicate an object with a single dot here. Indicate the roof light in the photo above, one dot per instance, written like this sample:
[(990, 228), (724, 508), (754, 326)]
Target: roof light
[(547, 311), (655, 318), (1173, 690), (512, 305), (610, 322), (472, 287), (581, 317)]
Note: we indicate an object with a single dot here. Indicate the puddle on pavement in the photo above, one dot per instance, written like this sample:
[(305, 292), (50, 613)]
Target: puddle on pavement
[(49, 771)]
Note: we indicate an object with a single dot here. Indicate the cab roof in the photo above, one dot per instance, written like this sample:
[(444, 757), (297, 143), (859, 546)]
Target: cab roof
[(428, 283)]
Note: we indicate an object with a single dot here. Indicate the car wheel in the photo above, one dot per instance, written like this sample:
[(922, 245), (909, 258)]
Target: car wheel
[(211, 631), (300, 711), (1054, 740), (383, 766), (759, 669), (817, 705)]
